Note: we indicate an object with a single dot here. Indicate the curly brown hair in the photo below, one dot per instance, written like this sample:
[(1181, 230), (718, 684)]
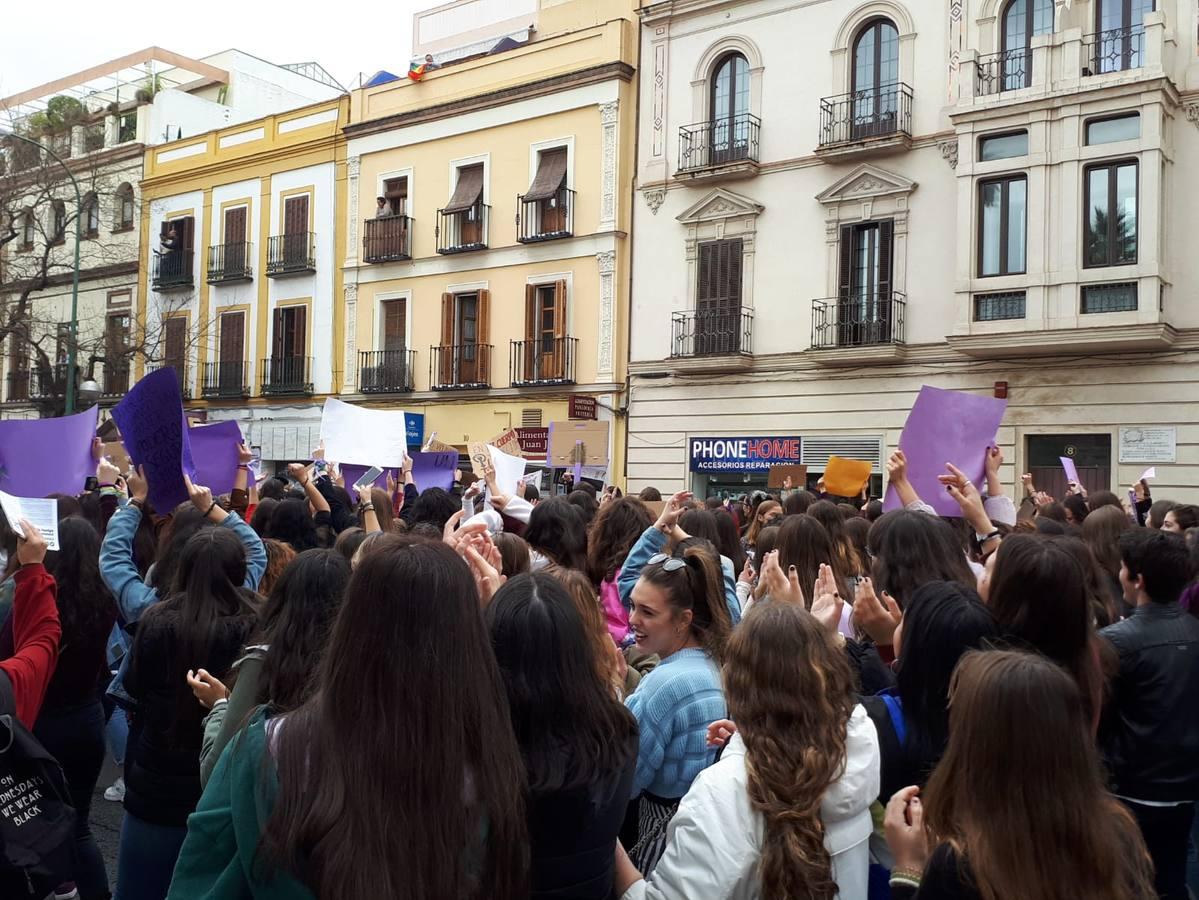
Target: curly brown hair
[(791, 693), (612, 534)]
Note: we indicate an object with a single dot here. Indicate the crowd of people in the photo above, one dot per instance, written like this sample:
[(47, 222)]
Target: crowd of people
[(328, 692)]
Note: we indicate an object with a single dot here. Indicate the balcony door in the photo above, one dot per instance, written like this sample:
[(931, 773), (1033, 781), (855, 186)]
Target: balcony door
[(116, 346), (718, 298), (291, 345), (1022, 19), (729, 110), (464, 329), (231, 365), (235, 240), (865, 289), (875, 80), (295, 231), (174, 334), (545, 332), (1119, 44)]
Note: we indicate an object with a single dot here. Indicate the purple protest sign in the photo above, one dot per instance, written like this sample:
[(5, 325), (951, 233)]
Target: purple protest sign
[(946, 426), (351, 473), (47, 456), (1071, 469), (151, 421), (434, 470), (214, 455)]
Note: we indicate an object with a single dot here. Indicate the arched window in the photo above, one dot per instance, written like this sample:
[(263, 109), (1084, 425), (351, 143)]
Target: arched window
[(58, 222), (1120, 42), (875, 79), (1021, 20), (91, 215), (28, 229), (729, 109), (124, 210)]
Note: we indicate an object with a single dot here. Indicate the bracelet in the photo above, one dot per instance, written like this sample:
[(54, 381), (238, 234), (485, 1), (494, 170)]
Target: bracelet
[(904, 877), (136, 502), (369, 507), (210, 509), (240, 466), (983, 538), (104, 484)]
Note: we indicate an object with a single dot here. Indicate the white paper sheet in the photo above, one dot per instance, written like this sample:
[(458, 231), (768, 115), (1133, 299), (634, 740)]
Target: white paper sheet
[(42, 514), (364, 437), (508, 469)]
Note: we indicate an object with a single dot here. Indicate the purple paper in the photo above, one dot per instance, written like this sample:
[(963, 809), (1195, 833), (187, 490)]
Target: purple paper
[(214, 454), (351, 472), (946, 426), (47, 456), (152, 427), (431, 470), (1071, 469)]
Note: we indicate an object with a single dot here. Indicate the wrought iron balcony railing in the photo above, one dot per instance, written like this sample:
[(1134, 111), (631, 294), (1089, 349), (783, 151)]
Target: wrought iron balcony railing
[(543, 361), (712, 332), (387, 239), (864, 320), (865, 115), (460, 366), (461, 232), (287, 375), (225, 380), (722, 141), (386, 371), (291, 254), (230, 262), (545, 220)]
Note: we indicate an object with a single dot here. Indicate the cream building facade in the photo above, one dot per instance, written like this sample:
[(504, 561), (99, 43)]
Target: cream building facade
[(487, 252), (840, 202)]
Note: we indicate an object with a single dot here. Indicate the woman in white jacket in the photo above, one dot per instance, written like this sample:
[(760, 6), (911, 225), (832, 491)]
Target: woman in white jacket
[(785, 813)]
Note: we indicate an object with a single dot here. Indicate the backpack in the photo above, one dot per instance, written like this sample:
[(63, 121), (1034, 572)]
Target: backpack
[(37, 822)]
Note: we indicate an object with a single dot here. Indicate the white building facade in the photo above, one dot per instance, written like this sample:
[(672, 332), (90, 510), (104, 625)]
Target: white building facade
[(840, 202)]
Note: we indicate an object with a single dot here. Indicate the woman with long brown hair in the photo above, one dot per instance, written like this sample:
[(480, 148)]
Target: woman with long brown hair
[(613, 533), (768, 512), (1101, 532), (803, 543), (399, 777), (844, 552), (1017, 807), (785, 813)]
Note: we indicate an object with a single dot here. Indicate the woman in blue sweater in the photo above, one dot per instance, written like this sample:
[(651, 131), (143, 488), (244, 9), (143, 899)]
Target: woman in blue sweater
[(679, 613)]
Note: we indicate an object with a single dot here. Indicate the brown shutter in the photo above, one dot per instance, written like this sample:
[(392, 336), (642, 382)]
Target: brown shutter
[(559, 309), (162, 231), (235, 225), (551, 172), (886, 230), (175, 340), (295, 215), (469, 189), (532, 343), (845, 267), (445, 353), (186, 227), (731, 286), (279, 342), (394, 325), (233, 327), (299, 346), (483, 329)]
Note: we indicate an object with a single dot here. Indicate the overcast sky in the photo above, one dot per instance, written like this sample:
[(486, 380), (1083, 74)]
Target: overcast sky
[(41, 43)]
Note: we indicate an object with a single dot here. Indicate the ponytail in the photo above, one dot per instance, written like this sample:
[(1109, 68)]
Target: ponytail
[(710, 621)]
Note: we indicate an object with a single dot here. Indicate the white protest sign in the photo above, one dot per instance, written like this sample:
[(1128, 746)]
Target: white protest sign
[(41, 514), (364, 437), (508, 469), (1151, 472)]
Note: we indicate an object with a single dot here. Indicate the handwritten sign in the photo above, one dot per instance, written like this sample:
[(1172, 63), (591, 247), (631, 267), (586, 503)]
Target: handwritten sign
[(431, 470), (151, 421)]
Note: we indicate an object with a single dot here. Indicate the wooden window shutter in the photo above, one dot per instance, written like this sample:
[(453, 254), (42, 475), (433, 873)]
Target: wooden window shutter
[(295, 215), (559, 309), (299, 345), (279, 342), (394, 324), (232, 347), (445, 353), (845, 266), (187, 231), (532, 325), (235, 225), (708, 263), (175, 340), (731, 286), (886, 254), (484, 336)]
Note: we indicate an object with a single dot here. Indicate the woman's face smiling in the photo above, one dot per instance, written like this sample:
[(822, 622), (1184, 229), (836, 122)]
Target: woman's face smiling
[(657, 626)]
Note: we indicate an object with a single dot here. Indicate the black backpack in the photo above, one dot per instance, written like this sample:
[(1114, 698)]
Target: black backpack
[(37, 822)]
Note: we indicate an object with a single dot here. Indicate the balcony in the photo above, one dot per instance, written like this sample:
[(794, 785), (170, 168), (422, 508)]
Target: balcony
[(459, 367), (545, 220), (225, 381), (114, 381), (181, 379), (230, 262), (1007, 71), (722, 148), (1117, 50), (172, 271), (852, 329), (543, 362), (874, 120), (712, 340), (287, 376), (463, 231), (17, 389), (386, 371), (291, 254), (387, 239)]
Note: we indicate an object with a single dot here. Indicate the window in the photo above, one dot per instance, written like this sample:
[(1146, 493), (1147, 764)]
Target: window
[(466, 228), (1116, 128), (1019, 26), (1111, 214), (395, 192), (1002, 219), (728, 109), (124, 218), (545, 348), (116, 346), (1120, 33), (58, 222), (999, 306), (127, 130), (230, 368), (875, 79), (91, 216), (549, 197), (291, 339), (234, 238), (464, 357), (28, 229), (718, 297), (1103, 298), (865, 291), (394, 324), (1003, 146), (62, 343)]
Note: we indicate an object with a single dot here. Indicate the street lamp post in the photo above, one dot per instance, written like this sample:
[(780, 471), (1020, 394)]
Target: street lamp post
[(71, 361)]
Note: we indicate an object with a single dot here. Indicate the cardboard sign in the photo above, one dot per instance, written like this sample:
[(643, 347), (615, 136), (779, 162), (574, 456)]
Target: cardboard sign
[(508, 442), (778, 474), (480, 459), (578, 443), (846, 477), (47, 456), (115, 451), (434, 469), (432, 445)]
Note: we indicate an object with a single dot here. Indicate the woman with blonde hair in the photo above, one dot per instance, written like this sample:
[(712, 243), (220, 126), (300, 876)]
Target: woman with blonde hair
[(785, 813)]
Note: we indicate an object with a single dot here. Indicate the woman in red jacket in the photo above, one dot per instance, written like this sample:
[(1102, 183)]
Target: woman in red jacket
[(36, 630)]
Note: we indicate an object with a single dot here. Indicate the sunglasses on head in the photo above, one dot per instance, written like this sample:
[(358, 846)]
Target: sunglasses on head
[(669, 563)]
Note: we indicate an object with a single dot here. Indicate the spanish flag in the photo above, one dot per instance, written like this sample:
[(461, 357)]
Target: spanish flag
[(416, 71)]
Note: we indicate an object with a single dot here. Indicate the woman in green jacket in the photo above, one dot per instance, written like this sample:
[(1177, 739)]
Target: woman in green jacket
[(400, 777)]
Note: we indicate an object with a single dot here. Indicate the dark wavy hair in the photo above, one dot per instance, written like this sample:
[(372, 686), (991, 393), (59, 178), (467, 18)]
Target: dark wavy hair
[(183, 523), (557, 530), (292, 524), (612, 535), (410, 617), (434, 506), (729, 544), (571, 729), (804, 543), (261, 520), (909, 549), (84, 602)]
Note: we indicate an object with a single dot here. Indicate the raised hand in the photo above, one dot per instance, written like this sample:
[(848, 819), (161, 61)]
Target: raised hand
[(107, 471), (31, 546), (903, 823), (484, 565), (139, 486), (672, 511), (201, 496), (878, 618), (964, 491), (827, 603), (780, 587), (720, 731)]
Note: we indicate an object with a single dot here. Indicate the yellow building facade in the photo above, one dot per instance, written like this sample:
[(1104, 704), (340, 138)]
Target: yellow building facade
[(255, 278), (487, 253)]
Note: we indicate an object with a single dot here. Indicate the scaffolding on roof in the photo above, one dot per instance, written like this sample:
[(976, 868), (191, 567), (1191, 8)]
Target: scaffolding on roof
[(316, 72)]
